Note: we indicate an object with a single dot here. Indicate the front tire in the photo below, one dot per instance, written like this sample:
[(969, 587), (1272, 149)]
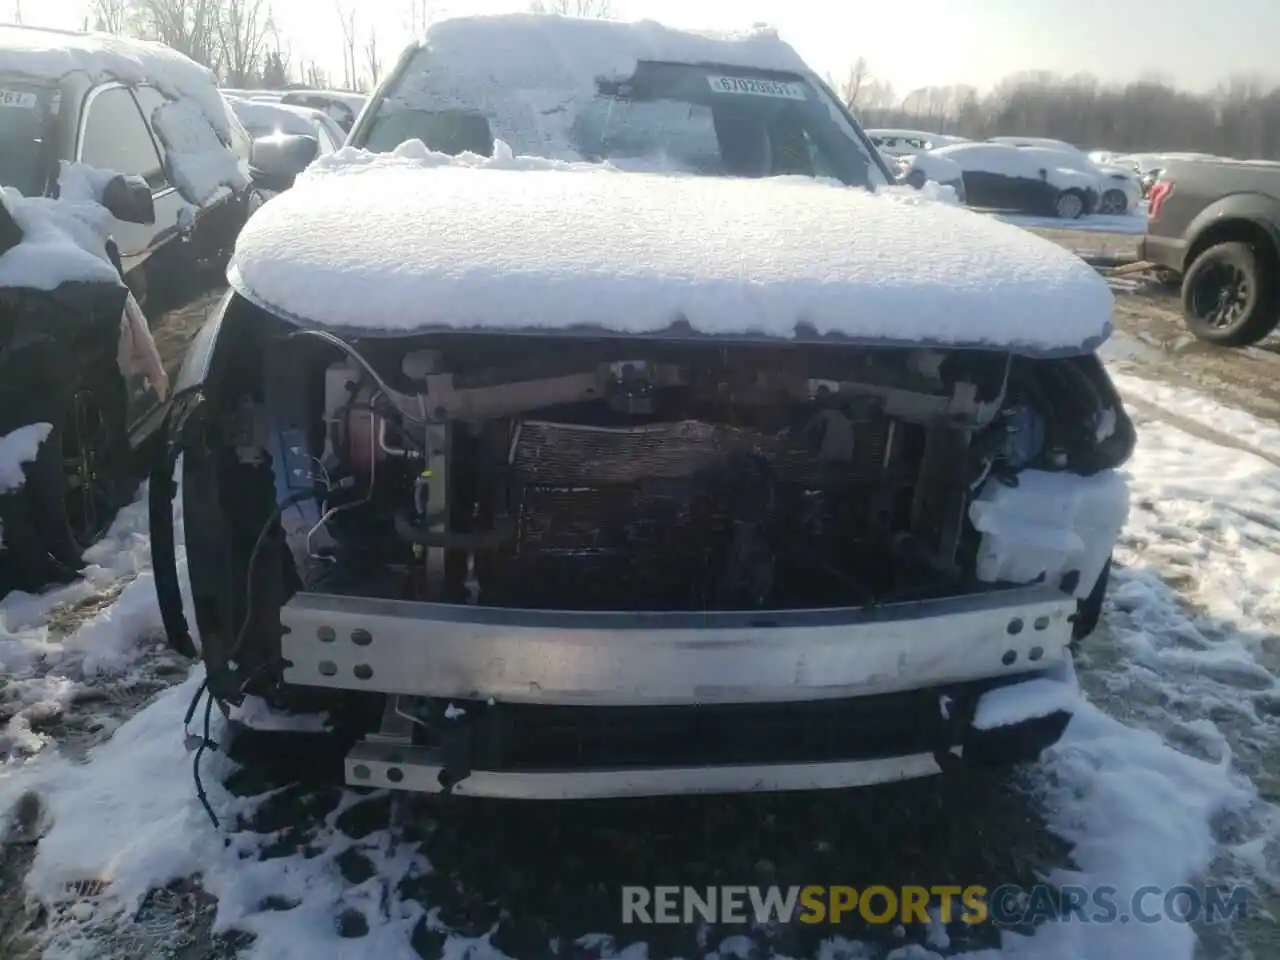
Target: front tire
[(1229, 296), (78, 481), (1070, 205)]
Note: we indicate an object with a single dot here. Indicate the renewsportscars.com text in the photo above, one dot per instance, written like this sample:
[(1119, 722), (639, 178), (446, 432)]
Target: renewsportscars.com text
[(1003, 906)]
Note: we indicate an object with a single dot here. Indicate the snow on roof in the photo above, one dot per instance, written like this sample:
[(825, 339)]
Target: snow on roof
[(52, 54), (515, 50), (526, 71), (63, 240), (528, 244)]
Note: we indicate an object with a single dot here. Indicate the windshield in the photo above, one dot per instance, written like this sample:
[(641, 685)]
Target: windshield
[(667, 117), (23, 111)]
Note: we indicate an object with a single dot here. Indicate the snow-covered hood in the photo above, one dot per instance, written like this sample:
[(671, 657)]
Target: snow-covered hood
[(411, 241)]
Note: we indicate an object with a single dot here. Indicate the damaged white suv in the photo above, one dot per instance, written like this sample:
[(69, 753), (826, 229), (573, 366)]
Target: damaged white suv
[(654, 445)]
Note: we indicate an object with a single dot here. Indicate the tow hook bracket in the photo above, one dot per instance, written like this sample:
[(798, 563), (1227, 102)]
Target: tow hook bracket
[(455, 750), (956, 714)]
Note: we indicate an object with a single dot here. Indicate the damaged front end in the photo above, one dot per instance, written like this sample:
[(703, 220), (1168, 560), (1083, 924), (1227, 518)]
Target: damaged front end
[(570, 566)]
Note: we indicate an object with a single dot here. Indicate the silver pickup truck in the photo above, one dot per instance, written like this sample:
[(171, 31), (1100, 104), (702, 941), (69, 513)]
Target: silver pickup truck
[(617, 428)]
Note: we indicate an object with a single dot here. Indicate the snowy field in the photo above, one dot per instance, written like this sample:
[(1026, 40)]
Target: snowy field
[(1169, 777)]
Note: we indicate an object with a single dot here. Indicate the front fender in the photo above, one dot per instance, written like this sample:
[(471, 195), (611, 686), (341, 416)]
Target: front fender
[(1256, 208), (199, 358)]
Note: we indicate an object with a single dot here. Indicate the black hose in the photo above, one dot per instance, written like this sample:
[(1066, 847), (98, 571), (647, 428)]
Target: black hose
[(200, 744), (205, 740)]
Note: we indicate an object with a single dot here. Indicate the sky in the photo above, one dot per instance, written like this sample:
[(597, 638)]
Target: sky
[(909, 43)]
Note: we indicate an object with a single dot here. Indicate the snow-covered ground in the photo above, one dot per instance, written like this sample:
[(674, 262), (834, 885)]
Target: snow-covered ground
[(1131, 224), (1168, 778)]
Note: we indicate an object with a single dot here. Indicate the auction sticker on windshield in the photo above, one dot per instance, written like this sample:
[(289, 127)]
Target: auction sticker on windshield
[(755, 87), (22, 99)]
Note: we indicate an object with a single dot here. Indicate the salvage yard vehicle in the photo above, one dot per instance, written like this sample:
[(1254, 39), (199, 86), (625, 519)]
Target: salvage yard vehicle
[(76, 110), (1214, 226), (723, 466), (269, 119), (906, 143), (1004, 177), (1119, 187)]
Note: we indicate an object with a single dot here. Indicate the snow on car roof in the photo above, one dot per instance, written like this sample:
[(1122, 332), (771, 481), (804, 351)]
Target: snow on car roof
[(514, 50), (526, 71), (525, 244), (52, 54)]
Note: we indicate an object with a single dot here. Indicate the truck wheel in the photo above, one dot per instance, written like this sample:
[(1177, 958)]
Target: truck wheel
[(1229, 296), (79, 480), (1070, 205)]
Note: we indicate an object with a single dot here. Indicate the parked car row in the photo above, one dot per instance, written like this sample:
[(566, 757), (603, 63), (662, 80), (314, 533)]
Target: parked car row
[(1033, 175), (265, 119), (118, 154), (341, 106)]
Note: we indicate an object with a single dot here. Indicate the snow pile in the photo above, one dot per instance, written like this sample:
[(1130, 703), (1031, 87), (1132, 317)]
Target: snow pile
[(96, 644), (1029, 700), (50, 54), (525, 243), (63, 240), (19, 447), (527, 72), (936, 168), (199, 163), (1138, 813)]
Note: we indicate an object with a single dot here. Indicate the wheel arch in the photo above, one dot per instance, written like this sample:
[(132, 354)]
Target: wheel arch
[(1237, 219)]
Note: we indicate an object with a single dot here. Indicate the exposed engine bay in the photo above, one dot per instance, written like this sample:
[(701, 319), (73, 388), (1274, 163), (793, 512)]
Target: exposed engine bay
[(616, 474)]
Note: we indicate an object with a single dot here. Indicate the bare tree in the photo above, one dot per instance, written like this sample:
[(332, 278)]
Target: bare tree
[(593, 9), (243, 28), (110, 16), (1241, 118), (17, 11), (189, 26), (372, 59), (315, 76), (855, 82), (350, 69), (419, 15)]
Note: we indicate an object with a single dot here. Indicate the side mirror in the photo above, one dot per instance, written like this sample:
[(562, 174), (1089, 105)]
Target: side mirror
[(128, 199), (278, 159)]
